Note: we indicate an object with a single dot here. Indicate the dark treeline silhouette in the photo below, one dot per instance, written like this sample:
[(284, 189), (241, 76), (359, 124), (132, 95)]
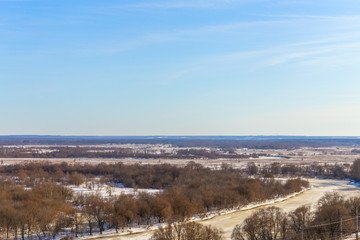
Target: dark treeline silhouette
[(188, 190), (98, 152), (356, 151), (254, 142), (333, 217)]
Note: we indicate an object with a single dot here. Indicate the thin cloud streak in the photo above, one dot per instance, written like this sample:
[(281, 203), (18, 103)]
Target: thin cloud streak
[(343, 53), (149, 39), (185, 34), (319, 17), (186, 4), (16, 1), (294, 51)]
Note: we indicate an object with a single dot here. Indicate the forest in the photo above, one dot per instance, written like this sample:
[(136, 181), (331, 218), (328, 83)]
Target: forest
[(35, 201)]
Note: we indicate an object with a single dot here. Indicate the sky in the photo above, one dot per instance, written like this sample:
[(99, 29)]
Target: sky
[(190, 67)]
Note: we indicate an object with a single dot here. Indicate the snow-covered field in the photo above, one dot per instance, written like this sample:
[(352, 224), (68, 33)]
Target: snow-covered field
[(305, 155), (227, 221), (108, 190)]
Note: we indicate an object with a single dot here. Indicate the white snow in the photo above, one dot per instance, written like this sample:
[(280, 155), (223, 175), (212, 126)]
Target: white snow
[(108, 189)]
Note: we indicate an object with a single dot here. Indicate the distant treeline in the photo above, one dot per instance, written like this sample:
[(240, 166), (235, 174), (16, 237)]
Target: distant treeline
[(335, 171), (356, 151), (221, 142), (98, 152)]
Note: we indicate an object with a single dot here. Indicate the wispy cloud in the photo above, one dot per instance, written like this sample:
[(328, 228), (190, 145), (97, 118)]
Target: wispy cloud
[(291, 56), (336, 53), (176, 35), (16, 0), (347, 28), (333, 53), (317, 17), (335, 45), (173, 4), (185, 4)]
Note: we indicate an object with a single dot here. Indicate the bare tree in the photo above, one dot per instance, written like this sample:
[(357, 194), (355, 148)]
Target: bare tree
[(187, 231), (264, 224)]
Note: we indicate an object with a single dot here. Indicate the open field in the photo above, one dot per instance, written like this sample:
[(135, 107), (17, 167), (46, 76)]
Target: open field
[(212, 163), (154, 154)]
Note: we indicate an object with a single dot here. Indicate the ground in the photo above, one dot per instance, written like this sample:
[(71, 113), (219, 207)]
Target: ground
[(303, 156), (228, 221)]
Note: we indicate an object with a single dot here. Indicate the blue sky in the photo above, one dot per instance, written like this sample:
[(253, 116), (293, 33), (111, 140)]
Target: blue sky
[(212, 67)]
